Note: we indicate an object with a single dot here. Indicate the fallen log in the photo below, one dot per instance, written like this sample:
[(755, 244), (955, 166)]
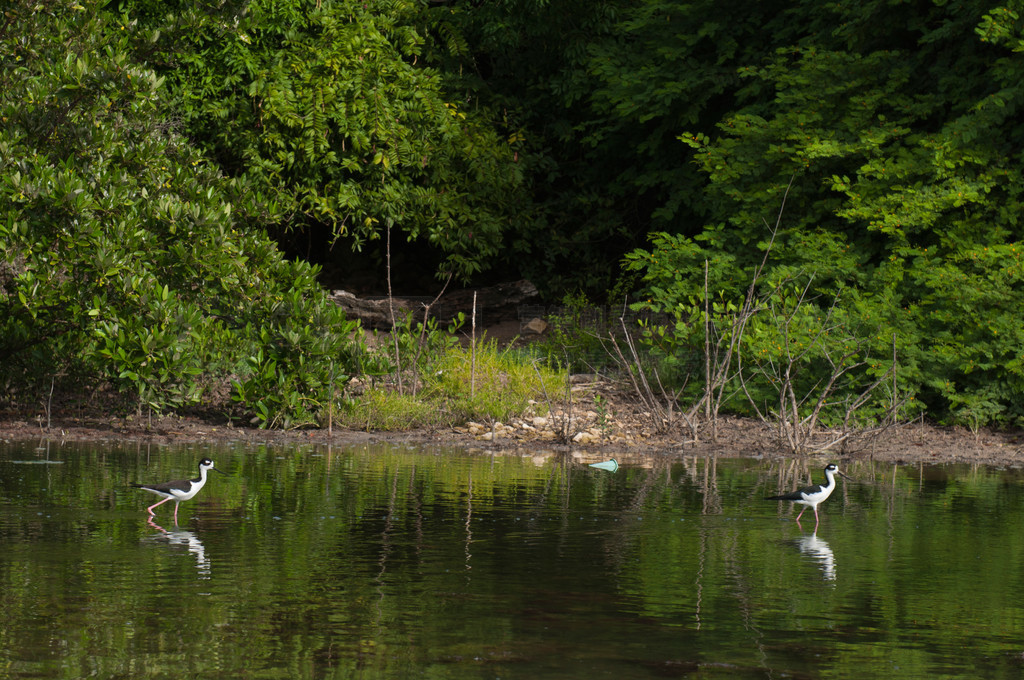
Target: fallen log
[(494, 304)]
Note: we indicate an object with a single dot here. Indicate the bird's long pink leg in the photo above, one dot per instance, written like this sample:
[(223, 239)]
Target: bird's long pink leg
[(176, 513), (150, 508), (802, 513)]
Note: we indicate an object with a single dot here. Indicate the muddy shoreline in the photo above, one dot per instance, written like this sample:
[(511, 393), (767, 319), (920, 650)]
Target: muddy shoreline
[(626, 433), (909, 444)]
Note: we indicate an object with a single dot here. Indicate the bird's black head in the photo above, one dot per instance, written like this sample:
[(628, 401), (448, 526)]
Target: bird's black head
[(207, 464), (832, 467)]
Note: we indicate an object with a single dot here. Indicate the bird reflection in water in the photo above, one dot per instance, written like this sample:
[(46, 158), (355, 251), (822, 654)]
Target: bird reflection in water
[(819, 550), (188, 539)]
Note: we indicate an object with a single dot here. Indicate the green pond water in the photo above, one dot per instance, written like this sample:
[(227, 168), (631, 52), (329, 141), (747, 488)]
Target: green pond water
[(391, 562)]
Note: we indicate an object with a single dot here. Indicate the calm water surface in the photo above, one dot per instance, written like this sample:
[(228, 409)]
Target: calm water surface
[(384, 562)]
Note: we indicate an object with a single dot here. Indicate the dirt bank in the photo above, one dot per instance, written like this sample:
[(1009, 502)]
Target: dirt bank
[(624, 435), (616, 422)]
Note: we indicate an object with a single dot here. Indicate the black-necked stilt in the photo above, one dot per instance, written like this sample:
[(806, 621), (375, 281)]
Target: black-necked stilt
[(181, 489), (811, 496)]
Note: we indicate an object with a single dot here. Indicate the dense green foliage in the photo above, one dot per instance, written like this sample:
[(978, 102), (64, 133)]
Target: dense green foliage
[(897, 133), (832, 191), (122, 264), (333, 115), (891, 129), (603, 88)]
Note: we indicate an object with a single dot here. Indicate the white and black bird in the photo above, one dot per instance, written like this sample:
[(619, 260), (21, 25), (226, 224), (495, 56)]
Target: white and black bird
[(811, 496), (180, 489)]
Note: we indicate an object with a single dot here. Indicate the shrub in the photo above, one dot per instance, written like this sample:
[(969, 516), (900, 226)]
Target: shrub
[(121, 263)]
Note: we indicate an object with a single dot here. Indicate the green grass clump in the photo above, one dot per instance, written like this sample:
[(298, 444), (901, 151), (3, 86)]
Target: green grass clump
[(380, 409), (500, 386)]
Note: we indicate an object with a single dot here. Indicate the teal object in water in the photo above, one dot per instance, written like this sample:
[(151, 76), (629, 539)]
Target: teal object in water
[(609, 465)]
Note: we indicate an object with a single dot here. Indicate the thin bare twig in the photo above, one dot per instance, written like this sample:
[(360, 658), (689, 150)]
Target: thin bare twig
[(421, 341), (391, 307)]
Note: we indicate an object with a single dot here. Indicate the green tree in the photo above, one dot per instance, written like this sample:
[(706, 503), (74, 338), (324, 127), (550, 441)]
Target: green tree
[(602, 90), (122, 264), (894, 128), (334, 112)]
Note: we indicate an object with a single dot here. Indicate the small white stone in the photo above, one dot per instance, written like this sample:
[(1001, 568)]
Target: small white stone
[(536, 326)]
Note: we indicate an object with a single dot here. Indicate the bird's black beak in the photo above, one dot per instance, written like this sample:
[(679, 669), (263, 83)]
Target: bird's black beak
[(844, 476), (227, 475)]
